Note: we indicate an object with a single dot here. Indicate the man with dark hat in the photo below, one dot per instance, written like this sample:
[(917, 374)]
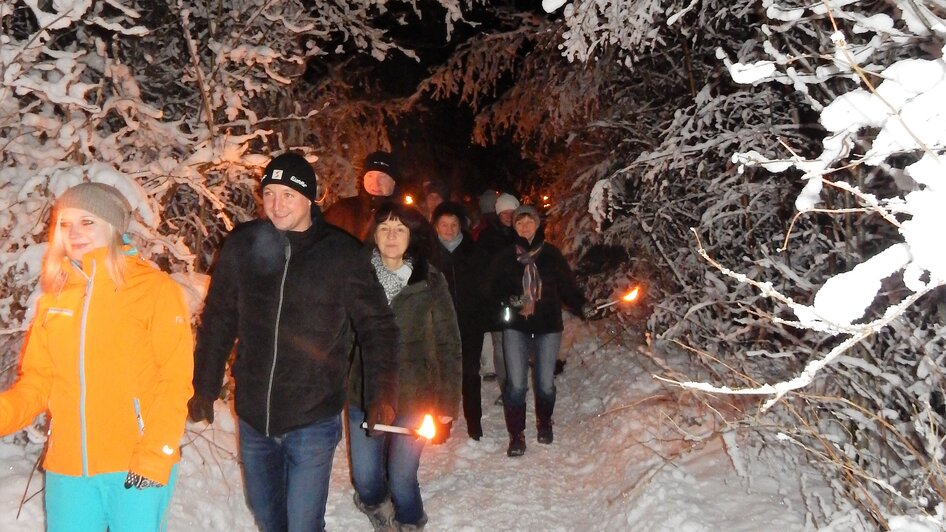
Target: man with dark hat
[(291, 291), (379, 183)]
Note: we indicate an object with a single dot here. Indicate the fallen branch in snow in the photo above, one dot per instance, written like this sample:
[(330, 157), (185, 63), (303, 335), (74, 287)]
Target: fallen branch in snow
[(24, 499)]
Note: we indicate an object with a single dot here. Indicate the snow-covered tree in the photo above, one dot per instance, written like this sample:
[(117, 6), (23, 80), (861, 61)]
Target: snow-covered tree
[(178, 104), (641, 106)]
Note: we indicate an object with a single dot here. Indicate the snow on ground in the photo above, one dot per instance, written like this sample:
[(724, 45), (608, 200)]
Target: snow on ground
[(629, 454)]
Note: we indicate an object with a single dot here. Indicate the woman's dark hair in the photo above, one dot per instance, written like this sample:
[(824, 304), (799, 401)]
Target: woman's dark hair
[(422, 234), (451, 208)]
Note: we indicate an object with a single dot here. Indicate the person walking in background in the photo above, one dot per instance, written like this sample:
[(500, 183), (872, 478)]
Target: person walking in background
[(109, 354), (487, 209), (383, 465), (533, 280), (289, 290), (435, 193), (463, 265), (379, 184), (494, 239)]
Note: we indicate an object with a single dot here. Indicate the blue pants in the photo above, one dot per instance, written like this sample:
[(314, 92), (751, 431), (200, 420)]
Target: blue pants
[(387, 464), (286, 477), (90, 504), (517, 346)]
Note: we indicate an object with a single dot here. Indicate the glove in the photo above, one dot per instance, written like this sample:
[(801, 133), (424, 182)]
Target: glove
[(443, 432), (134, 480), (379, 413), (586, 311), (200, 409)]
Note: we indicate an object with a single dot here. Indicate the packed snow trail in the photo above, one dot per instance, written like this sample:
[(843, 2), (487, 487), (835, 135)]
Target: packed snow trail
[(629, 454)]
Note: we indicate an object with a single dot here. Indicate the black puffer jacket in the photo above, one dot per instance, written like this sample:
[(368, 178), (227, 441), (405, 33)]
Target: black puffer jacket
[(292, 300), (558, 286), (464, 268), (429, 362)]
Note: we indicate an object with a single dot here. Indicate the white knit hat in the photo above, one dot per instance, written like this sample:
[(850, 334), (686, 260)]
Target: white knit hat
[(506, 202)]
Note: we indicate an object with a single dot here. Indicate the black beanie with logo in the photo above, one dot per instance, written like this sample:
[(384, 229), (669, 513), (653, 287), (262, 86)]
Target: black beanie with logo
[(292, 170)]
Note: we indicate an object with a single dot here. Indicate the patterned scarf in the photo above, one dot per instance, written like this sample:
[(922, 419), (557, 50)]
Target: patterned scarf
[(390, 281), (531, 282)]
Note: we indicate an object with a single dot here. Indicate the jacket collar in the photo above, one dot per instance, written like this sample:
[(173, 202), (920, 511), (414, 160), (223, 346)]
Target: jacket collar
[(91, 264), (303, 239), (419, 272)]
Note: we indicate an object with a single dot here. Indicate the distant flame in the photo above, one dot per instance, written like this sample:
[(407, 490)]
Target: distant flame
[(408, 200), (427, 428), (632, 295)]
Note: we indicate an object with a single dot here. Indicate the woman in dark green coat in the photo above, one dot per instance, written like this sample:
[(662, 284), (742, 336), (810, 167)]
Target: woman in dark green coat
[(384, 466)]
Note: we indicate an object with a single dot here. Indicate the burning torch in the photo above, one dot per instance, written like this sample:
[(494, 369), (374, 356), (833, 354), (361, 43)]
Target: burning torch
[(426, 430), (629, 297)]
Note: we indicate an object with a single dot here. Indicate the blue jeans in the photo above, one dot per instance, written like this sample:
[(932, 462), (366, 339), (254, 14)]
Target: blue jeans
[(387, 464), (90, 504), (517, 346), (286, 477)]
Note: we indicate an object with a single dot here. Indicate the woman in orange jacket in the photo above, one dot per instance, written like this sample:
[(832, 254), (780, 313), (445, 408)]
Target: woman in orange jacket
[(109, 355)]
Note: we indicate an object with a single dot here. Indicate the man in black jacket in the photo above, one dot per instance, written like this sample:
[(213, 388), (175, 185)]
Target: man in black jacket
[(292, 290)]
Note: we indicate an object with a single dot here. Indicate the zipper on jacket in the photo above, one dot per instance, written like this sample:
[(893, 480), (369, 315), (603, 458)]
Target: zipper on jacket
[(141, 421), (87, 299), (272, 370)]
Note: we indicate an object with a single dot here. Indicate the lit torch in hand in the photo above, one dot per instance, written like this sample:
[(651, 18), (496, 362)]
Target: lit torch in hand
[(629, 297), (427, 428)]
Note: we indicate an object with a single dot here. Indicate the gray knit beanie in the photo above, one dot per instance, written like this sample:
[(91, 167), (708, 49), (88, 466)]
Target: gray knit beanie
[(527, 210), (104, 201)]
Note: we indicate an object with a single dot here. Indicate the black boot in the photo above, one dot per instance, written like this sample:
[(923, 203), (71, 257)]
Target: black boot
[(517, 444), (515, 418), (543, 419)]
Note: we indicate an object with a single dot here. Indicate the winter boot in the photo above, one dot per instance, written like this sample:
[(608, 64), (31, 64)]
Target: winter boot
[(380, 515), (543, 418), (421, 523), (515, 417), (517, 445)]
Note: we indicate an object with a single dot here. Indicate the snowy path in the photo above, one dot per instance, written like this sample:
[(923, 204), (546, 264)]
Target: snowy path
[(632, 468)]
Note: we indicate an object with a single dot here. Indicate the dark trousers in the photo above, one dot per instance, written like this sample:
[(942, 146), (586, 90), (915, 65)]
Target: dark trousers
[(472, 348)]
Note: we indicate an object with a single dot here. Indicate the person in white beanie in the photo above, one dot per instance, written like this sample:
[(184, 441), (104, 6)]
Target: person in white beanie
[(506, 204), (493, 240)]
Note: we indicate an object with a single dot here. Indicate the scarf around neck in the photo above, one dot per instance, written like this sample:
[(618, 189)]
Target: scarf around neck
[(452, 245), (531, 282), (392, 282)]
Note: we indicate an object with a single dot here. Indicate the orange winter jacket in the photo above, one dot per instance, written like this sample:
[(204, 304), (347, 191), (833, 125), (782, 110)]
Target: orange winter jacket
[(112, 366)]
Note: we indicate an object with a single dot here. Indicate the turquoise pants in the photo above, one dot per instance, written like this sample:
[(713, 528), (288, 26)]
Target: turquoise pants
[(92, 504)]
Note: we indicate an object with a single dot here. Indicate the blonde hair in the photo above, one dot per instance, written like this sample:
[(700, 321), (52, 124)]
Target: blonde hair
[(53, 277)]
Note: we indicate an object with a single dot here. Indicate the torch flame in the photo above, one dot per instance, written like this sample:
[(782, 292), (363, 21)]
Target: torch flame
[(427, 428), (632, 295), (408, 200)]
